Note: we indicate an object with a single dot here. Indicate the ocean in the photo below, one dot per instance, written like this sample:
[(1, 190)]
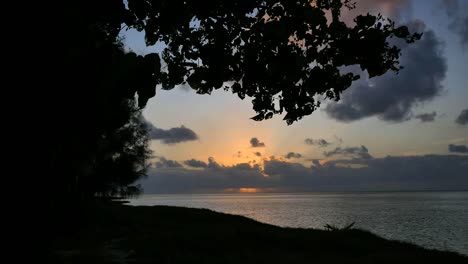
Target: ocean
[(436, 220)]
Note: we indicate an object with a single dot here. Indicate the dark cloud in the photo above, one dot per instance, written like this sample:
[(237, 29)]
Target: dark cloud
[(213, 178), (258, 154), (165, 163), (458, 20), (317, 142), (196, 163), (173, 135), (462, 119), (293, 155), (212, 164), (429, 172), (458, 148), (316, 162), (352, 152), (255, 143), (389, 173), (392, 96), (426, 117)]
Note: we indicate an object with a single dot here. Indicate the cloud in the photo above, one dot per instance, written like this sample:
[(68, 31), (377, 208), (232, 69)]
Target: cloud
[(173, 135), (352, 152), (165, 163), (255, 143), (316, 162), (212, 178), (462, 119), (196, 163), (426, 117), (458, 20), (212, 164), (458, 148), (293, 155), (429, 172), (317, 142), (390, 173), (258, 154), (391, 96)]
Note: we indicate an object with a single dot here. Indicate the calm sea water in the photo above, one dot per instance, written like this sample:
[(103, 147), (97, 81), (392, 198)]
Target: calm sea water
[(430, 219)]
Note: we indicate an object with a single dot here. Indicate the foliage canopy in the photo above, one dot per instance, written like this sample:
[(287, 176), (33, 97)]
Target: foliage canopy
[(285, 55)]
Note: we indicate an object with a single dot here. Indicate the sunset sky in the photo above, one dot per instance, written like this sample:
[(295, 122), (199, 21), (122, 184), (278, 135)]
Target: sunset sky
[(381, 136)]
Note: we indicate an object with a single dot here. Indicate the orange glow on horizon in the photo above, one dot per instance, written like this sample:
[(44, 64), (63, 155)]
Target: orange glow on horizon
[(248, 190), (252, 190), (242, 190)]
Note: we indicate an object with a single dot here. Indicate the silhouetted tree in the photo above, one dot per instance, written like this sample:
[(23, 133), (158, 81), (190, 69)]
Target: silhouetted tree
[(282, 54)]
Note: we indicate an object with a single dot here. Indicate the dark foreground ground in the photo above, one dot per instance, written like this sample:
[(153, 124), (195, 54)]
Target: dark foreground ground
[(123, 234)]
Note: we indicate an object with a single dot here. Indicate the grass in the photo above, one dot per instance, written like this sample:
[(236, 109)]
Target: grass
[(117, 233)]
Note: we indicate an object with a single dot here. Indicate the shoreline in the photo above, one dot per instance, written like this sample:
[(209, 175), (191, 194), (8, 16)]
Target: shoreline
[(297, 193), (119, 233)]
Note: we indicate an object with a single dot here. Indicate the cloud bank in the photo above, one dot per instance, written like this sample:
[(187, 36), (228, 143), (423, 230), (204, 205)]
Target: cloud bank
[(429, 172), (165, 163)]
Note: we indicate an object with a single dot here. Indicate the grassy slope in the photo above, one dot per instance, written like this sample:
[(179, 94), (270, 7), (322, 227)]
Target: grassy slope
[(161, 234)]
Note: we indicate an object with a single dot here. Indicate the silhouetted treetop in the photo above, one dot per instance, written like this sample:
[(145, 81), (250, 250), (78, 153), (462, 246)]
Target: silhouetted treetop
[(285, 55), (281, 53)]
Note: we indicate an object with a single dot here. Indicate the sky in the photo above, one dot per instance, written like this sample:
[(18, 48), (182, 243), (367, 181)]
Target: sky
[(394, 132)]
